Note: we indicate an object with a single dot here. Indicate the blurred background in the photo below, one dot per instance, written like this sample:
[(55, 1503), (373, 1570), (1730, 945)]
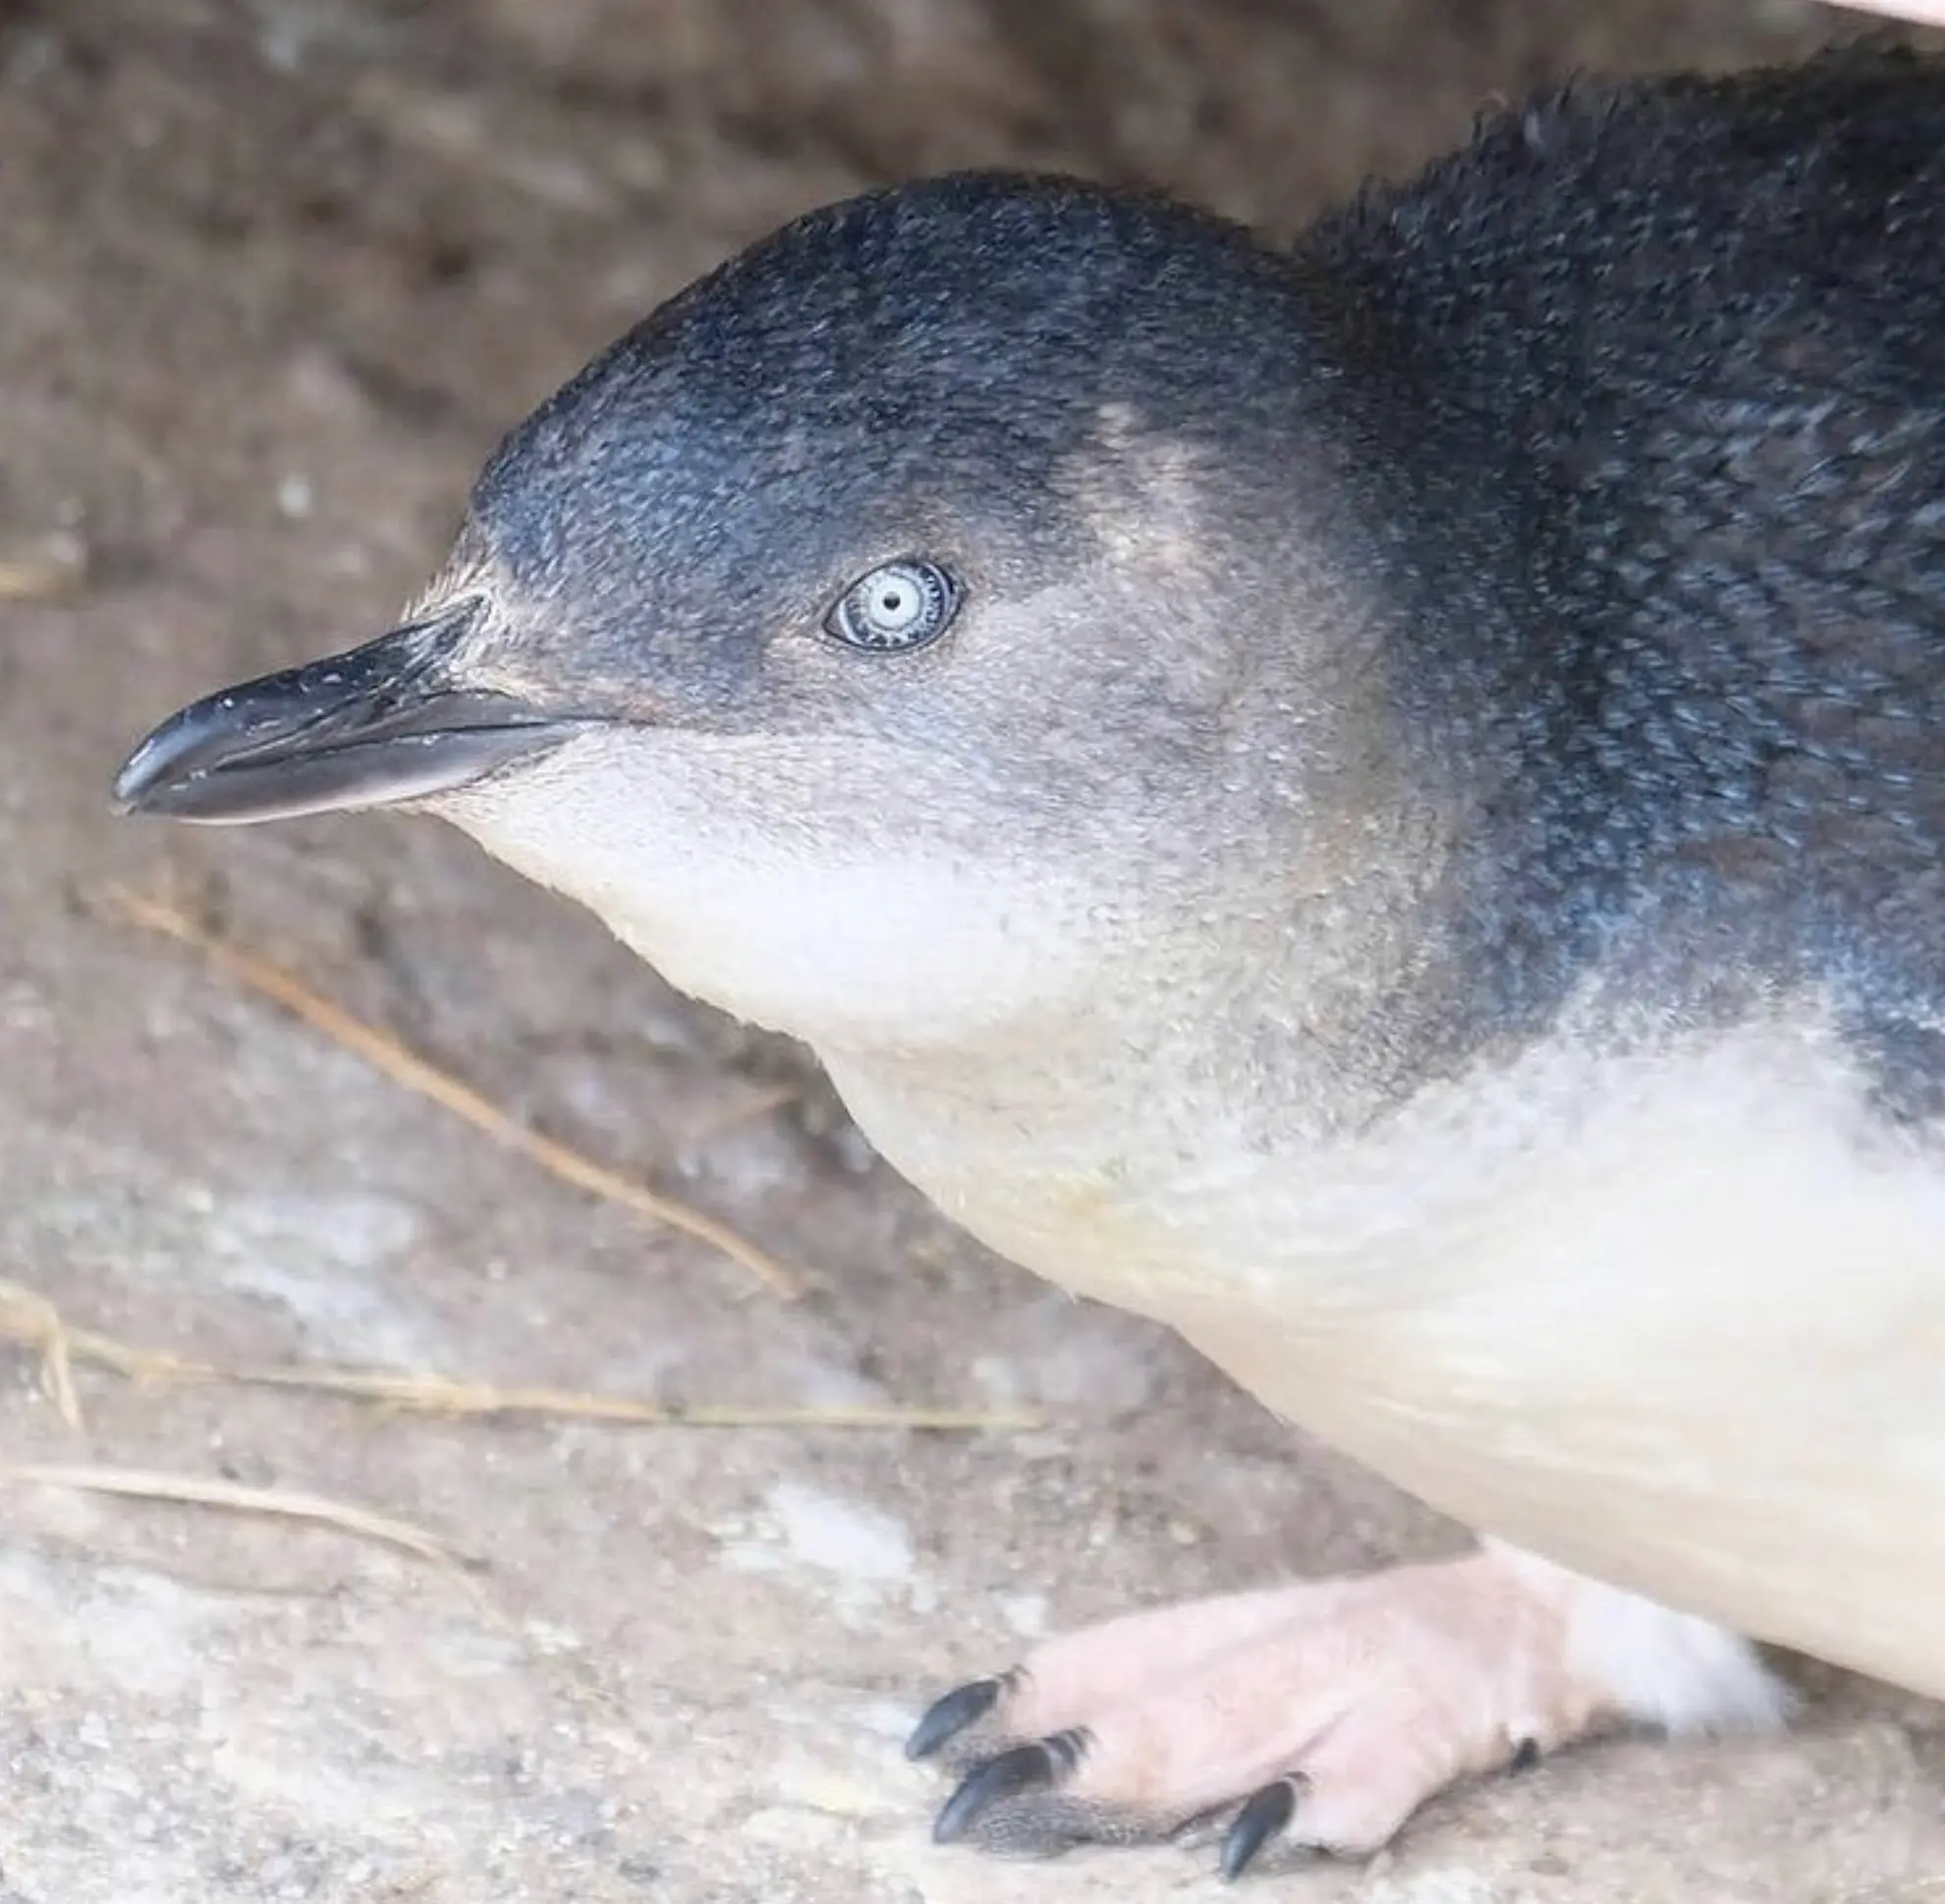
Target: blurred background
[(276, 276)]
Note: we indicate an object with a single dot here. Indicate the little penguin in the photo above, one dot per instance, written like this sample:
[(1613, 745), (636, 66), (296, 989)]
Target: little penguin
[(1379, 800)]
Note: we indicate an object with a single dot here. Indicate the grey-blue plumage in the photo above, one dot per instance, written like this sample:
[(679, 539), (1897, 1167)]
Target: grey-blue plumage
[(1377, 801)]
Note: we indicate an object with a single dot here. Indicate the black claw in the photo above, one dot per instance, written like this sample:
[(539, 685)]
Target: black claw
[(952, 1714), (1265, 1815), (1021, 1768)]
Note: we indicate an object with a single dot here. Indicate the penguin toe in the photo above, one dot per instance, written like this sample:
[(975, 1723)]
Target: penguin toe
[(1307, 1720)]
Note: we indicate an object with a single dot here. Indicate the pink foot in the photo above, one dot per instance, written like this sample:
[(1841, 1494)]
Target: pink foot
[(1321, 1714)]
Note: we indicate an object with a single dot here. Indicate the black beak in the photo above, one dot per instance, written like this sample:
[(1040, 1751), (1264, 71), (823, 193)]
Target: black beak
[(382, 724)]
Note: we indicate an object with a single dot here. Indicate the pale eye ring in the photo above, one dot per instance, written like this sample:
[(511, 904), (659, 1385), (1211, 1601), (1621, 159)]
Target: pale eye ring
[(898, 605)]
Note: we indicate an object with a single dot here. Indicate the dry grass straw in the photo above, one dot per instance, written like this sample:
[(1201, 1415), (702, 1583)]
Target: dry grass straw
[(29, 1318), (406, 1068), (51, 569), (195, 1490)]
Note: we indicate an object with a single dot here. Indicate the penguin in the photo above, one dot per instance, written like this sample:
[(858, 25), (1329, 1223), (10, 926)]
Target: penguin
[(1379, 800)]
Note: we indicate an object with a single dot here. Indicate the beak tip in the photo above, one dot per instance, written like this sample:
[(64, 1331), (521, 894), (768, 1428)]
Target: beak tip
[(124, 796), (143, 784)]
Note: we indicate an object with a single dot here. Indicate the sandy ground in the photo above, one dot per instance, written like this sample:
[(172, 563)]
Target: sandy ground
[(276, 276)]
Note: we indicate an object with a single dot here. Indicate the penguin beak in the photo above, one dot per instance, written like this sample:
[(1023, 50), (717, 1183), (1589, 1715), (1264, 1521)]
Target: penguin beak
[(387, 722)]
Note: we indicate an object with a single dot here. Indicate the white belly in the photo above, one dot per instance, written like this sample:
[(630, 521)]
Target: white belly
[(1682, 1328)]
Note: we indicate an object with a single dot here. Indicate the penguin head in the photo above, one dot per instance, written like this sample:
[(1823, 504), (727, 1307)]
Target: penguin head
[(863, 636)]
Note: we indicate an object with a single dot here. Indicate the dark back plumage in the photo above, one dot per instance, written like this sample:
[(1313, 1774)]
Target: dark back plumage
[(1662, 368)]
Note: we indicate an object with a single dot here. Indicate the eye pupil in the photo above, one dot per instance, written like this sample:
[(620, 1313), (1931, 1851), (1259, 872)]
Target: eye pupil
[(900, 604)]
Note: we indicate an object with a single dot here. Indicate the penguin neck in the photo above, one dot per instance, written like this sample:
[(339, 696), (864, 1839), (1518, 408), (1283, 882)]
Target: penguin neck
[(1265, 1028)]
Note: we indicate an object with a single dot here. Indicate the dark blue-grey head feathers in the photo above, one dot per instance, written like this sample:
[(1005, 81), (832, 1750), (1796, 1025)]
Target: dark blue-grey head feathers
[(899, 367)]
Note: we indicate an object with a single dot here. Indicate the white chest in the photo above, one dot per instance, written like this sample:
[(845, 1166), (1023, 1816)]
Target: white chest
[(1679, 1325)]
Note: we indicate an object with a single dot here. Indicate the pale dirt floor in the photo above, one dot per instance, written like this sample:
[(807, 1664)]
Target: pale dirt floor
[(276, 275)]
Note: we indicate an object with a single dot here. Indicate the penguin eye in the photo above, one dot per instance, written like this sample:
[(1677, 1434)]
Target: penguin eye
[(899, 605)]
